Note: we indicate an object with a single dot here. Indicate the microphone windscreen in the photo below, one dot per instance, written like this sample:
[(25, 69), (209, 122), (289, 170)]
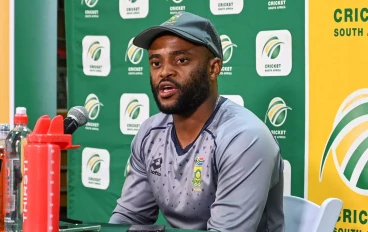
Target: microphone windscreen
[(79, 114)]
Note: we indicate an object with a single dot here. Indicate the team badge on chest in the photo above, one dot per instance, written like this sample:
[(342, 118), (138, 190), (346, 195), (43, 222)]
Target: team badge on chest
[(197, 178)]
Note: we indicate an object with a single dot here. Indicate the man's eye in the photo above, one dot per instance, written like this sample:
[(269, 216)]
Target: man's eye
[(155, 64), (182, 60)]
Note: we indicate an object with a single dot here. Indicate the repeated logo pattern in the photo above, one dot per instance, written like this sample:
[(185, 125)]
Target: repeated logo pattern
[(348, 142), (94, 163), (272, 47), (90, 3), (227, 48), (277, 112), (92, 105)]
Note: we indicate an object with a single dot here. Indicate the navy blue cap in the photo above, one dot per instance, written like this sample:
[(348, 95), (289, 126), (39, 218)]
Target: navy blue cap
[(185, 25)]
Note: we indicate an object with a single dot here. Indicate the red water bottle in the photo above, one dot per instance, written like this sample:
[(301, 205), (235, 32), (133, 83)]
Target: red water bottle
[(41, 175)]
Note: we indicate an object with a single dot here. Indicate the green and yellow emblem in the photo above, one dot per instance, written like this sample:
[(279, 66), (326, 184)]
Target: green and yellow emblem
[(173, 19), (197, 176)]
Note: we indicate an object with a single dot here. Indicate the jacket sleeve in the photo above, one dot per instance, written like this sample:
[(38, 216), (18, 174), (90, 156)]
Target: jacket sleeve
[(248, 166), (136, 204)]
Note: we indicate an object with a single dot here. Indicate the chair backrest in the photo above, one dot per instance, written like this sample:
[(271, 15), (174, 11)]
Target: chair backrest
[(302, 215), (287, 178)]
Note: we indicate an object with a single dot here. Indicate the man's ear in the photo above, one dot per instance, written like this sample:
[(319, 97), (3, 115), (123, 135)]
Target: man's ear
[(215, 68)]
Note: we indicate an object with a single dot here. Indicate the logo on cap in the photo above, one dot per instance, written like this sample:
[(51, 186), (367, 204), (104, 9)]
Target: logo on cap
[(173, 19)]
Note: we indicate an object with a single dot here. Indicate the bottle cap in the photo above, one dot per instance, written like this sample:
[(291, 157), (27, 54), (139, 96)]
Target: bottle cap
[(20, 116), (21, 111)]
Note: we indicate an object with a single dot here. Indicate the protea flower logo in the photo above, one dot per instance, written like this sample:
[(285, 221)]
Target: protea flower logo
[(274, 53), (133, 9), (92, 105), (96, 168), (94, 163), (90, 3), (277, 112), (227, 48), (133, 53), (272, 47), (177, 1), (133, 109), (96, 55), (95, 50), (348, 142), (173, 18)]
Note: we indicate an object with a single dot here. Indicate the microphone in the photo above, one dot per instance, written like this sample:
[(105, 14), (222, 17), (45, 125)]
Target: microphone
[(77, 117)]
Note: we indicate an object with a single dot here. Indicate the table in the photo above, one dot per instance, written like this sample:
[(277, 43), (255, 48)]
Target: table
[(122, 228)]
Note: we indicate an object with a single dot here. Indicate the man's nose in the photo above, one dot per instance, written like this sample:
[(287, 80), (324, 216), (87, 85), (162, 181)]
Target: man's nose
[(167, 71)]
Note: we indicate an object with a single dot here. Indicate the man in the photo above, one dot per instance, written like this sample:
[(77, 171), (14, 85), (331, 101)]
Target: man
[(205, 162)]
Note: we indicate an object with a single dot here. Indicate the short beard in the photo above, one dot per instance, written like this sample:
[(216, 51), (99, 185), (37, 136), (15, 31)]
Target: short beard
[(192, 94)]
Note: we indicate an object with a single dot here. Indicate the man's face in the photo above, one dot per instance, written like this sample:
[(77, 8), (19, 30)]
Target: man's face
[(180, 80)]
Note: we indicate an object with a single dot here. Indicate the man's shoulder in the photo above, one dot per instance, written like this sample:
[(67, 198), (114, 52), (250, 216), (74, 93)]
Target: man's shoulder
[(240, 131), (234, 120), (157, 121)]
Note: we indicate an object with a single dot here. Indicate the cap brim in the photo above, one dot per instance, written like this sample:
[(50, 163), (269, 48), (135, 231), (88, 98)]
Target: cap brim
[(146, 37)]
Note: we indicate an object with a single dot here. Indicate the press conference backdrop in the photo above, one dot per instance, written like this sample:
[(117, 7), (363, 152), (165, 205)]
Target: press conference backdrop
[(264, 70), (338, 108)]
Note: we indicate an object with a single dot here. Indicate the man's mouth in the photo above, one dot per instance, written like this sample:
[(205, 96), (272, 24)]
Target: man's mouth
[(167, 89)]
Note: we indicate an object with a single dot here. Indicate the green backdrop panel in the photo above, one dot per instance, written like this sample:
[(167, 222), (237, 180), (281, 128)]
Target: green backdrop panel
[(264, 65)]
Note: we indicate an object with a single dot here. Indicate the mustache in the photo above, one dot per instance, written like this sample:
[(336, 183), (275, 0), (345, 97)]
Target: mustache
[(166, 79)]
